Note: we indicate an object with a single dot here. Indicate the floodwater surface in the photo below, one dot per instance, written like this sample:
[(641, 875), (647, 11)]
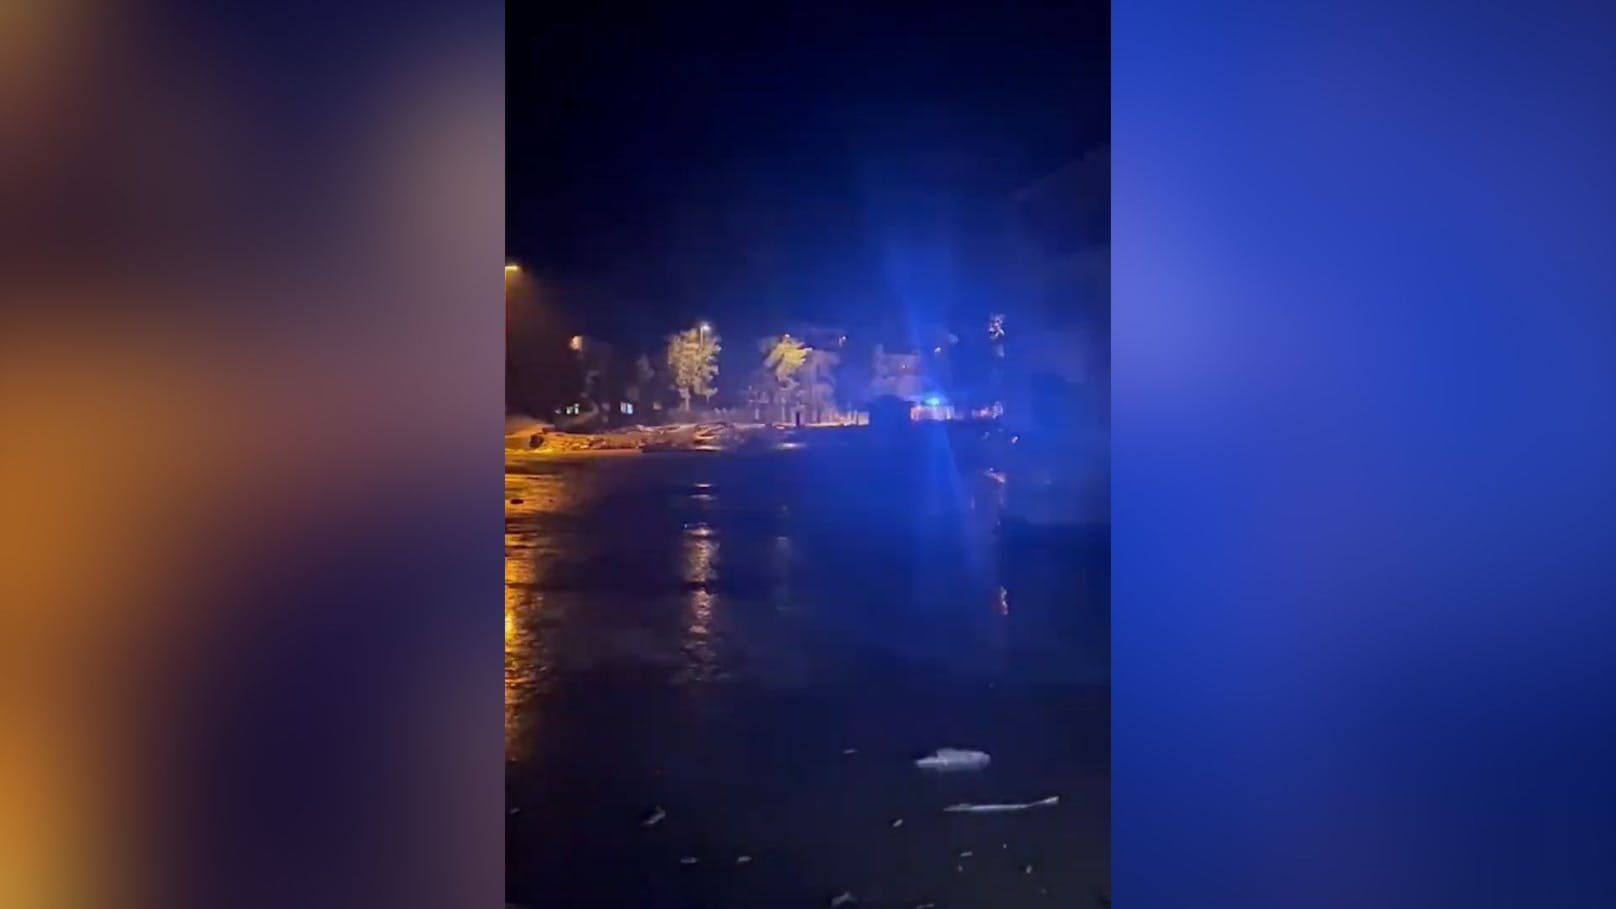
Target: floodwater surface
[(757, 648)]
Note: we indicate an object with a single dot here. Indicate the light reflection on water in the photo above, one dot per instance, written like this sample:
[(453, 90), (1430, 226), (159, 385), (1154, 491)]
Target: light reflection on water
[(536, 493), (528, 497), (699, 555), (780, 590), (699, 558), (526, 668), (641, 565)]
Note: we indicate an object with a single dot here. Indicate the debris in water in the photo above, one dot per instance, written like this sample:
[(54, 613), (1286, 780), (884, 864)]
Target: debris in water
[(655, 818), (841, 899), (967, 854), (926, 906), (954, 759), (898, 823), (516, 501), (994, 807), (850, 751), (742, 859), (514, 811), (959, 867), (1026, 869), (688, 860)]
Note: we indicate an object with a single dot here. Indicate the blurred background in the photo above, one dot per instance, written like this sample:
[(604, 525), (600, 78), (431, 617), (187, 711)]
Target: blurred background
[(248, 365)]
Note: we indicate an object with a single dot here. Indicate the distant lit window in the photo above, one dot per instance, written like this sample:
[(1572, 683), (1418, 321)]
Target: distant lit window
[(625, 407)]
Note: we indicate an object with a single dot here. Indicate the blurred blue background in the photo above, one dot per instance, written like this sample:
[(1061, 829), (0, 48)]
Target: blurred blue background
[(1364, 457)]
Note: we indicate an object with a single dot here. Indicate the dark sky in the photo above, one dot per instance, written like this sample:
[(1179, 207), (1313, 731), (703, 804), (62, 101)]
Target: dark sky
[(838, 163)]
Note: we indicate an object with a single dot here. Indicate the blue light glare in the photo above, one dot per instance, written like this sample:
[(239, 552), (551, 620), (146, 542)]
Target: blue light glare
[(933, 401)]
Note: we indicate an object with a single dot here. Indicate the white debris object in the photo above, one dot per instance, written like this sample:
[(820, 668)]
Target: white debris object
[(841, 899), (688, 860), (994, 808), (655, 818), (742, 859), (898, 822), (850, 751), (954, 759)]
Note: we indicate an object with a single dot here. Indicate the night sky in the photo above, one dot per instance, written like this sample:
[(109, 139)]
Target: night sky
[(849, 165)]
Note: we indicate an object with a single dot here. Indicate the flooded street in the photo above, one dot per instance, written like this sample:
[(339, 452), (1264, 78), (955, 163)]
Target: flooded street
[(759, 646)]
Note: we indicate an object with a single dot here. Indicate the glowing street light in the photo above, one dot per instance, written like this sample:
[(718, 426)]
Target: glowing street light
[(577, 342), (512, 269)]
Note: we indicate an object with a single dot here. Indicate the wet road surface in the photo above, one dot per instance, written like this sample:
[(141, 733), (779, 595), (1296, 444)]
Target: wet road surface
[(760, 646)]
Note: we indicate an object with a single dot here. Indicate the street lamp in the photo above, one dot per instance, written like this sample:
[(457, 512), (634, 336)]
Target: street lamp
[(512, 269)]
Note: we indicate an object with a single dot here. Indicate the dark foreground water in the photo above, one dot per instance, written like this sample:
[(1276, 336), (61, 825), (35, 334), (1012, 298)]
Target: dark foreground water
[(760, 646)]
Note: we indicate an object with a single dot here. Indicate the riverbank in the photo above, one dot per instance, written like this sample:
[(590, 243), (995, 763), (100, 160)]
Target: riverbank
[(539, 439)]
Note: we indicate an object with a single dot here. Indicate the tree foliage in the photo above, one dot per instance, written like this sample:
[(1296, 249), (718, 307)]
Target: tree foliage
[(692, 357), (784, 356), (801, 374)]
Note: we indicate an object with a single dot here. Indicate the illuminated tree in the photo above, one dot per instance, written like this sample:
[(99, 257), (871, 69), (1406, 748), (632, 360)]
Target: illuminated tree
[(819, 380), (783, 359), (692, 357), (784, 356), (800, 374)]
